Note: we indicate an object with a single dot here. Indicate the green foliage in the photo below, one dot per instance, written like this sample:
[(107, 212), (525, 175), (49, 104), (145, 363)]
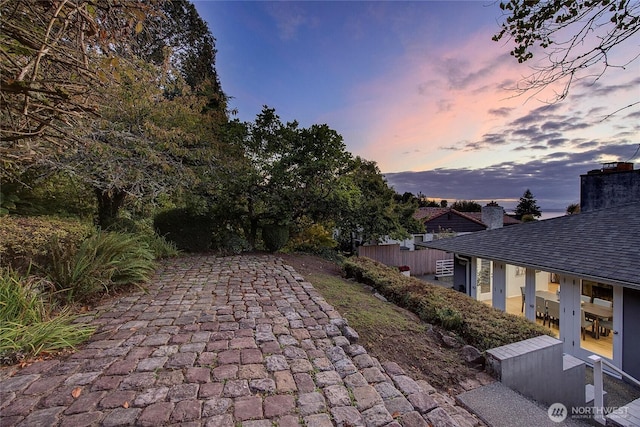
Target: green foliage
[(188, 231), (7, 202), (42, 193), (365, 208), (275, 236), (69, 74), (466, 206), (311, 237), (229, 242), (24, 240), (285, 172), (26, 326), (528, 205), (479, 324), (104, 262), (573, 208), (161, 247)]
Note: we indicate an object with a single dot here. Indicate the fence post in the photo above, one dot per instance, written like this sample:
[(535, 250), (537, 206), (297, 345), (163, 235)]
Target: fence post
[(598, 390)]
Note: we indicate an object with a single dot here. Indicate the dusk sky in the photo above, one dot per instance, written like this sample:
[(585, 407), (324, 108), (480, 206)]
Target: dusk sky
[(421, 89)]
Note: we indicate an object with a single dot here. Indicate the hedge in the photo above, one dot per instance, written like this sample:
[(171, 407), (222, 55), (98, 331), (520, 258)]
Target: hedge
[(477, 323), (25, 240)]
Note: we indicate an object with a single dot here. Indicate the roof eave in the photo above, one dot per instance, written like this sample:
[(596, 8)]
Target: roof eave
[(548, 268)]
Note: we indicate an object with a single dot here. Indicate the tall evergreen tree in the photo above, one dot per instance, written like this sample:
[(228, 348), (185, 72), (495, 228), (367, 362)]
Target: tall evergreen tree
[(528, 206)]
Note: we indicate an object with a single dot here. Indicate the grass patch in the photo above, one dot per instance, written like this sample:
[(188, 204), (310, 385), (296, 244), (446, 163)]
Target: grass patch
[(478, 324), (364, 312)]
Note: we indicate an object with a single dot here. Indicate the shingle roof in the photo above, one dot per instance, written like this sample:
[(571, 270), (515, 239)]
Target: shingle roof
[(429, 213), (602, 245)]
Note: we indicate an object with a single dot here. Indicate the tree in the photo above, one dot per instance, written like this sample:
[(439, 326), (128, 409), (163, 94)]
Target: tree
[(576, 35), (55, 58), (365, 207), (284, 173), (145, 144), (528, 206), (182, 38), (573, 209), (466, 206)]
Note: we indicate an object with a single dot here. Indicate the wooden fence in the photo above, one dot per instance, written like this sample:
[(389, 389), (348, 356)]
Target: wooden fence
[(421, 262)]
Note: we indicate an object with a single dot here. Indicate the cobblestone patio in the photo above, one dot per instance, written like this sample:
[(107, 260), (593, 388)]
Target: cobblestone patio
[(222, 342)]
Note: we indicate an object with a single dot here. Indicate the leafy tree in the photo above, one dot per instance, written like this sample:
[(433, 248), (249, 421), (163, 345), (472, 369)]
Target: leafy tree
[(366, 209), (145, 145), (182, 38), (528, 206), (406, 206), (443, 203), (284, 172), (574, 34), (55, 58), (466, 206)]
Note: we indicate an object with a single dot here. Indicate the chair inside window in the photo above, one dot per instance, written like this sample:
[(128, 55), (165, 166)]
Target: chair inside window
[(585, 298), (553, 312), (541, 309), (603, 320), (585, 323), (602, 302), (606, 326), (523, 297)]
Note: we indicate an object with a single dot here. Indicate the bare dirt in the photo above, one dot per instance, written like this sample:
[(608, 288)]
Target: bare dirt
[(419, 350)]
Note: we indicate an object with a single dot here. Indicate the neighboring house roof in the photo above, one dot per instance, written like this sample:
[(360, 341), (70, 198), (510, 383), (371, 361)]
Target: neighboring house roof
[(436, 219), (506, 219), (600, 245), (428, 212)]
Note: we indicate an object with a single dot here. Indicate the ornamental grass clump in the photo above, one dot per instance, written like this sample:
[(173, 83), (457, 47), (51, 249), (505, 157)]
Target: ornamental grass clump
[(27, 327), (478, 324), (104, 262)]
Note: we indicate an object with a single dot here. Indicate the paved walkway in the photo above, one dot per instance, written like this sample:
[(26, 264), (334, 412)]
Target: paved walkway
[(222, 342)]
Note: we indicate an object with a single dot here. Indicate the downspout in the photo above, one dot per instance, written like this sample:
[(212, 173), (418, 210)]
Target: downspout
[(467, 276)]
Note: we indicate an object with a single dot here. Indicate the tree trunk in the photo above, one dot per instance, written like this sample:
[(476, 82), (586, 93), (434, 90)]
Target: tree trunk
[(109, 203)]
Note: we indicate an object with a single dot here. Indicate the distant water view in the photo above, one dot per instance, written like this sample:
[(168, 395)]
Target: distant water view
[(547, 214), (551, 214)]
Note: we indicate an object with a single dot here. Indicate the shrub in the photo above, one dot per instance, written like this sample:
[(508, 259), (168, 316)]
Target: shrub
[(480, 325), (161, 247), (104, 262), (26, 326), (188, 231), (311, 237), (229, 242), (24, 240), (275, 236)]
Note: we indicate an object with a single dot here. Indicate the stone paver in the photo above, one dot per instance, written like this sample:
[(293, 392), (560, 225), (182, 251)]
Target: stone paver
[(240, 340)]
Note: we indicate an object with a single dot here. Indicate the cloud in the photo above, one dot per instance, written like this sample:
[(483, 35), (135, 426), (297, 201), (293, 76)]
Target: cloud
[(289, 19), (554, 179), (500, 112)]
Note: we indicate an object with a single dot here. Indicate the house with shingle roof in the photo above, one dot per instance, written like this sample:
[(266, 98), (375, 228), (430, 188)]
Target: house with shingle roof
[(439, 220), (593, 255)]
